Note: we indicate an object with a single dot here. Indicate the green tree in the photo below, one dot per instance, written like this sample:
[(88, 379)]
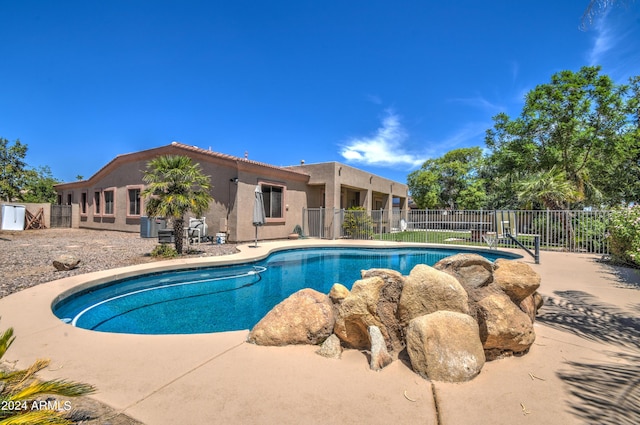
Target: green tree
[(424, 187), (578, 124), (175, 185), (38, 186), (12, 169), (452, 180)]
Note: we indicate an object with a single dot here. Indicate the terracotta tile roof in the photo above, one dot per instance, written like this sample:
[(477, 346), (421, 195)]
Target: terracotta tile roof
[(233, 158), (181, 146)]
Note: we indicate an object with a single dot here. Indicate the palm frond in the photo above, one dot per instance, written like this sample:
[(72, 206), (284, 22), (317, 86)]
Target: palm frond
[(15, 379), (6, 340), (37, 417), (57, 387)]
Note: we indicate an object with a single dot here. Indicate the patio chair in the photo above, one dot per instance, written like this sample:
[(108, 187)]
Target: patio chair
[(197, 230)]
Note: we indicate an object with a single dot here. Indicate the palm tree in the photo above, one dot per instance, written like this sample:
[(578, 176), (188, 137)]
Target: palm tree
[(20, 390), (554, 191), (176, 185), (550, 188)]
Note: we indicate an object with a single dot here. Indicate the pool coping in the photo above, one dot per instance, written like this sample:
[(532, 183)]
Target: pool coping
[(213, 378)]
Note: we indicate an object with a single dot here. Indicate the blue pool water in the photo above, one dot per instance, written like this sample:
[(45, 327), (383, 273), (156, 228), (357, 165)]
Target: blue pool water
[(226, 298)]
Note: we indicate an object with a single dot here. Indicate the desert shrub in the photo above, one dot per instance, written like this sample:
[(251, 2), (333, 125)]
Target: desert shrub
[(624, 235), (357, 224), (164, 250), (591, 233)]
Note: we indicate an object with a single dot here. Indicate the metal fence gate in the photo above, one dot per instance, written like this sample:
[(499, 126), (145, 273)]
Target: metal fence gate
[(60, 216)]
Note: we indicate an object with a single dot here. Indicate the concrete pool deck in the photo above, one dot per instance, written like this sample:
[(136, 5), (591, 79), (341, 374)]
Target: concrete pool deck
[(583, 368)]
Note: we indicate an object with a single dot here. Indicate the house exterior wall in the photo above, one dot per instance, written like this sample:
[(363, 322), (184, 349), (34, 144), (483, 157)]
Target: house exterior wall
[(294, 194), (233, 190), (345, 185), (316, 196), (234, 180)]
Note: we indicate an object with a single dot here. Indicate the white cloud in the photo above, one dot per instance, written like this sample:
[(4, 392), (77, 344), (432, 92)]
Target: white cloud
[(467, 135), (468, 132), (615, 42), (478, 102), (385, 148), (603, 42)]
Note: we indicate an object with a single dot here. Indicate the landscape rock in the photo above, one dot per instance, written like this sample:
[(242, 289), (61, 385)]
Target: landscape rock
[(531, 305), (353, 314), (471, 270), (516, 278), (387, 306), (451, 318), (445, 346), (338, 293), (380, 357), (305, 317), (427, 290), (66, 262), (331, 348), (366, 306), (504, 328)]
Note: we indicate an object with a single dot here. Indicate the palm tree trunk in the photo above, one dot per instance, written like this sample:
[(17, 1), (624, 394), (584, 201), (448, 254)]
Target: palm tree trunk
[(178, 232)]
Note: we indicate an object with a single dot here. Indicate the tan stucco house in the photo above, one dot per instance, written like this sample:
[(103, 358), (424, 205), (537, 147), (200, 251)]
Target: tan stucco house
[(111, 200)]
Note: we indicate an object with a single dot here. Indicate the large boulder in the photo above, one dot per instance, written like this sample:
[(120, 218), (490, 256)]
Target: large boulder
[(504, 327), (306, 317), (427, 290), (531, 305), (353, 314), (371, 302), (445, 346), (471, 270), (387, 306), (516, 278)]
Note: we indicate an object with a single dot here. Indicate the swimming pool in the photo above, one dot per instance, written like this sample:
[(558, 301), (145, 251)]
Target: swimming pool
[(227, 298)]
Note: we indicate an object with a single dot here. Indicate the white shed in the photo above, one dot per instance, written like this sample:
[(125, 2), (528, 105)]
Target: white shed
[(13, 217)]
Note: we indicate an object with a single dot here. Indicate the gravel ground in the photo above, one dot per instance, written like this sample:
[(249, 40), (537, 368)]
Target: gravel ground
[(26, 258)]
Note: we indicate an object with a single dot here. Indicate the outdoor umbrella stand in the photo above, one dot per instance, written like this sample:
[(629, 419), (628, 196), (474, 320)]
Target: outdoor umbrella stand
[(259, 216)]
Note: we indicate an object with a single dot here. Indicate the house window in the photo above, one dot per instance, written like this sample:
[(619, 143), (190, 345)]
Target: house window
[(96, 203), (69, 198), (83, 203), (273, 199), (109, 201), (135, 206)]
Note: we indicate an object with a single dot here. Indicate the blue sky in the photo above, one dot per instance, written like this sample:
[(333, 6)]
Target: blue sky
[(379, 85)]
